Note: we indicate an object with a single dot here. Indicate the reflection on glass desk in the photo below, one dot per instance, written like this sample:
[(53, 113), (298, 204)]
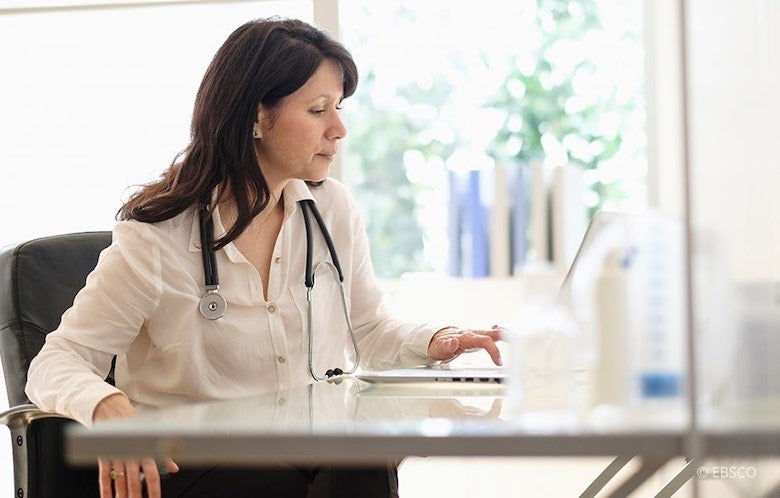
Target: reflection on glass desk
[(354, 422)]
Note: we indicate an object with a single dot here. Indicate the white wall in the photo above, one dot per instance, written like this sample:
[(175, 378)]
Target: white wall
[(663, 91), (733, 79), (734, 62)]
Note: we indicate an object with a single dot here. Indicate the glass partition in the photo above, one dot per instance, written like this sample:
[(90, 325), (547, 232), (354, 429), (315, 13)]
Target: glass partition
[(734, 176)]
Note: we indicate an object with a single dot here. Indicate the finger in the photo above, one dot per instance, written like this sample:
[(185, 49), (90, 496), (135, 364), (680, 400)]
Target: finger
[(493, 335), (470, 341), (172, 466), (104, 481), (152, 478), (119, 478), (133, 478), (496, 332), (495, 408)]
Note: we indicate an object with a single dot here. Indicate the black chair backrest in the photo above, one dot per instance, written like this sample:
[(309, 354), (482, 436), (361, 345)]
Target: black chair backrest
[(38, 281)]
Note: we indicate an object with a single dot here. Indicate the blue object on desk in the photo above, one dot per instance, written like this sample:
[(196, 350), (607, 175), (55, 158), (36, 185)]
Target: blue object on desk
[(660, 385)]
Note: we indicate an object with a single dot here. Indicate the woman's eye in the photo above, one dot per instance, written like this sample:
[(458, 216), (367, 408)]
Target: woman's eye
[(323, 111)]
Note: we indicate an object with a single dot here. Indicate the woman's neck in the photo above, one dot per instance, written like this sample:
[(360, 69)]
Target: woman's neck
[(228, 212)]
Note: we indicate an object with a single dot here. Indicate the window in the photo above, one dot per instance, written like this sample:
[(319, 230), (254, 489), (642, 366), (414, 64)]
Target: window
[(455, 102), (93, 102), (96, 101)]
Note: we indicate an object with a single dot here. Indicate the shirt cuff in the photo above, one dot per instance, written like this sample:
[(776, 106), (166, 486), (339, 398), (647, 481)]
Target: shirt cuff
[(414, 352), (85, 402)]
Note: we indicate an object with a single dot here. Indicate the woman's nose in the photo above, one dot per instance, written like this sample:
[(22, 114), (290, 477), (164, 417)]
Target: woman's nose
[(337, 130)]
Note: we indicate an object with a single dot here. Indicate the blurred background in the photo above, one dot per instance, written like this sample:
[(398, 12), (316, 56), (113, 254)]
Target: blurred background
[(482, 138)]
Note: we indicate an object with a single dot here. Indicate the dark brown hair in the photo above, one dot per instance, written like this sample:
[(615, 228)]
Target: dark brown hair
[(261, 62)]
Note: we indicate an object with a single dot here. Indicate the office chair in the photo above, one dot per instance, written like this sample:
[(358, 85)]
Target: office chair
[(38, 281)]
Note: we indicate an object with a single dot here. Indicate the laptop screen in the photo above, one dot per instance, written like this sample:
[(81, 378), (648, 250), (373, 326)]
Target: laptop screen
[(591, 252)]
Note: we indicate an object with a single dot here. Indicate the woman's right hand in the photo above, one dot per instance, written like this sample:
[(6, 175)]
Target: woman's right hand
[(125, 478)]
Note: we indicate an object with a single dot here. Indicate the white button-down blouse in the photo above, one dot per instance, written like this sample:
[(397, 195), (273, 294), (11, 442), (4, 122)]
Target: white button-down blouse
[(141, 304)]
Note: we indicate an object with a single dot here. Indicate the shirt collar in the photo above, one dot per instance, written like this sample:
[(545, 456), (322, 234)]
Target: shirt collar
[(294, 191)]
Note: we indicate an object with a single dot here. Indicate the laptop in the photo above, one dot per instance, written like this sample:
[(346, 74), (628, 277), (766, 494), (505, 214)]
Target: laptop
[(494, 375), (582, 267), (497, 375)]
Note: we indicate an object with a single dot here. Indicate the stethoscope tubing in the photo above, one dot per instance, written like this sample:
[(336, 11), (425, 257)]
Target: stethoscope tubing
[(306, 206), (213, 306), (209, 256), (310, 316)]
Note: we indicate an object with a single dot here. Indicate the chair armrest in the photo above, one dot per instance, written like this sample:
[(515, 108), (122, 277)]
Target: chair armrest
[(22, 415), (18, 419)]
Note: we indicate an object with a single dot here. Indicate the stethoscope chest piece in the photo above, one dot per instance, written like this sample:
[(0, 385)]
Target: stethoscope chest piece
[(212, 305)]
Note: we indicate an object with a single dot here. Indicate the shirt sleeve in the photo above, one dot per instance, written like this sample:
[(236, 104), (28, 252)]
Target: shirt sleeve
[(123, 290)]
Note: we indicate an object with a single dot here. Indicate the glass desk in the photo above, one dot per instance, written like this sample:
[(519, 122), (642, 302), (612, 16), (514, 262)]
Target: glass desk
[(351, 422)]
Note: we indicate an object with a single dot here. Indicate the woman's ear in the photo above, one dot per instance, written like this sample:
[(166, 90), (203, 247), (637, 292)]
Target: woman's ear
[(257, 131), (263, 121)]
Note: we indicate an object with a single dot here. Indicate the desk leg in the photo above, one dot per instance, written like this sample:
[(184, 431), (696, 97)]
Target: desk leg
[(677, 481), (774, 492), (648, 468), (605, 476)]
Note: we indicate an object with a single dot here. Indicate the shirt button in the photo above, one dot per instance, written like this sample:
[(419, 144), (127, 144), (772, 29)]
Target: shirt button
[(278, 259), (281, 358), (282, 401), (272, 308)]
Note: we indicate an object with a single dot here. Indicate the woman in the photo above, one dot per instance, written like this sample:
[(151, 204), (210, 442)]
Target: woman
[(265, 130)]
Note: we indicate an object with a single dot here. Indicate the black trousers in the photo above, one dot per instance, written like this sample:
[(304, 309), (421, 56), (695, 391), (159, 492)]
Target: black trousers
[(283, 481)]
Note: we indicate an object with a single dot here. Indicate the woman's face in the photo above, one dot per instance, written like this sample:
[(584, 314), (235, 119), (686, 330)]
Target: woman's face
[(298, 139)]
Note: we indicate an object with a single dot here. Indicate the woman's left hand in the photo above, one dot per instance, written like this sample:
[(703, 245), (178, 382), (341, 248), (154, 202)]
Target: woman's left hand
[(447, 344)]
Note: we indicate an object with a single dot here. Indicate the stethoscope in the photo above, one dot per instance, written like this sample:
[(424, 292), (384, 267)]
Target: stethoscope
[(213, 306)]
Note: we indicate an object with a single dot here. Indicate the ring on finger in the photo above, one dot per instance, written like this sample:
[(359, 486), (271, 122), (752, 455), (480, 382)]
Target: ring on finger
[(113, 474)]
